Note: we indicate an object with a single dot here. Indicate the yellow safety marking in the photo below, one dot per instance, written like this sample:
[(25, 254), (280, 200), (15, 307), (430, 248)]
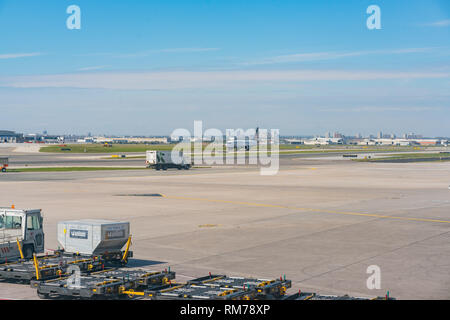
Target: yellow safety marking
[(131, 293), (106, 282), (254, 204), (20, 248), (125, 254), (36, 266), (227, 292), (173, 288), (214, 279), (208, 225)]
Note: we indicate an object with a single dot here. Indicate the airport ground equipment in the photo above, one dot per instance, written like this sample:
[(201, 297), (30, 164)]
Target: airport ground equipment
[(51, 266), (217, 287), (21, 234), (266, 288), (314, 296), (4, 162), (164, 160), (96, 238), (194, 292), (106, 284)]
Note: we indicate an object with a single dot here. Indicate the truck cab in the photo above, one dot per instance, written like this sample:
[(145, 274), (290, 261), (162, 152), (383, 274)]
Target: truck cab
[(23, 226), (4, 164)]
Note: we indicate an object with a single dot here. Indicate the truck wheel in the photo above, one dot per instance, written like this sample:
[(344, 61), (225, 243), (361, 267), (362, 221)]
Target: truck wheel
[(28, 252), (158, 167), (42, 295), (164, 168), (179, 167), (3, 169)]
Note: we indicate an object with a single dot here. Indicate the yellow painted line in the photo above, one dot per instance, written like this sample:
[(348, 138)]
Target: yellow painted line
[(265, 205)]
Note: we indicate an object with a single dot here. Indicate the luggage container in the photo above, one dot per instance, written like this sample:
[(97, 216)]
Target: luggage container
[(94, 237)]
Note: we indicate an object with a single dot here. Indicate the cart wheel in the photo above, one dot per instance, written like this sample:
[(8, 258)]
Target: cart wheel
[(131, 293), (43, 295)]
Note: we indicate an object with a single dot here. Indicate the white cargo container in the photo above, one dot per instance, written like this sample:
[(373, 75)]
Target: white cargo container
[(93, 237), (164, 160)]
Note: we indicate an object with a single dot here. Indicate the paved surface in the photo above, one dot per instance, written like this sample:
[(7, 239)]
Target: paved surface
[(322, 223)]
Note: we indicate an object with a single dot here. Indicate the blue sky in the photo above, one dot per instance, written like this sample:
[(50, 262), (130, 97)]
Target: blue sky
[(149, 67)]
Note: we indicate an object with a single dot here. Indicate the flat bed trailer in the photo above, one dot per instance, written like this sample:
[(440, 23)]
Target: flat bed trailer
[(106, 284), (315, 296), (49, 267), (194, 292), (267, 288), (217, 287)]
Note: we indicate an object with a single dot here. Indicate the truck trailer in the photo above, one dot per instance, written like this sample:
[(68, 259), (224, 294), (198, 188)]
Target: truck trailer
[(4, 162), (164, 160), (20, 230)]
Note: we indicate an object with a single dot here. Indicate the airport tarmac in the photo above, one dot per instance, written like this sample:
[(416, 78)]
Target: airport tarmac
[(322, 223)]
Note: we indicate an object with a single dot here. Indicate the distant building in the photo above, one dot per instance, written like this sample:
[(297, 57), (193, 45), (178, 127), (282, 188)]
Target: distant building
[(124, 140), (323, 141), (10, 137), (427, 142)]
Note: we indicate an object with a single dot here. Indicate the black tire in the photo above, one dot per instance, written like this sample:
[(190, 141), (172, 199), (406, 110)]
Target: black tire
[(158, 167), (179, 168), (3, 169), (28, 252), (43, 295)]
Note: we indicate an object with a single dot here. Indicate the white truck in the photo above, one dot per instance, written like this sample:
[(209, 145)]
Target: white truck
[(164, 160), (3, 164), (22, 227)]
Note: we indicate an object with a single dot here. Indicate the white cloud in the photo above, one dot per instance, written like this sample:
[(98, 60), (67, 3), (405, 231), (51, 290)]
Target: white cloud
[(172, 50), (442, 23), (316, 56), (19, 55), (93, 68), (383, 109), (149, 52), (169, 80)]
